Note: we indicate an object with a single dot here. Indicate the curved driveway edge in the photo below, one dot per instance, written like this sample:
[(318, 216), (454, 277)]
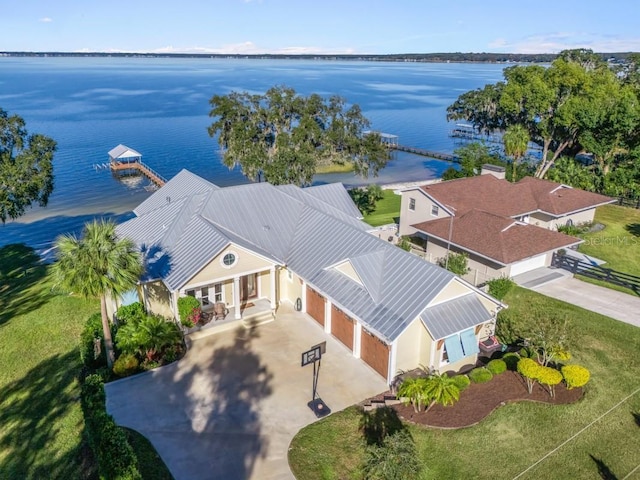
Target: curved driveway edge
[(230, 408)]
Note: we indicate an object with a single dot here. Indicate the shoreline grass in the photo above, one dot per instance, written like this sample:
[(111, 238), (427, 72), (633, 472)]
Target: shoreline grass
[(517, 435)]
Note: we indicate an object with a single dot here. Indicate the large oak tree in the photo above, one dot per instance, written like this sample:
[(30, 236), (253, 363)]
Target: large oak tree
[(26, 168), (283, 137)]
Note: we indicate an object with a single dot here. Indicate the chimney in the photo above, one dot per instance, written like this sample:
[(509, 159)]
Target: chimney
[(495, 170)]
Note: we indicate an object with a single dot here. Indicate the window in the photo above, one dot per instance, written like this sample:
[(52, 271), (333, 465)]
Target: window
[(204, 296), (217, 292), (434, 210), (412, 203), (459, 346), (290, 275), (191, 293), (229, 260)]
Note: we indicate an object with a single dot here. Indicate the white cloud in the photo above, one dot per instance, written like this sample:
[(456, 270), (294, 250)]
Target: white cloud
[(46, 20), (250, 48), (555, 42)]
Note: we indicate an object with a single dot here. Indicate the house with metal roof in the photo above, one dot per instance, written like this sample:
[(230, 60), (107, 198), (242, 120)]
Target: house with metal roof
[(251, 248), (505, 228)]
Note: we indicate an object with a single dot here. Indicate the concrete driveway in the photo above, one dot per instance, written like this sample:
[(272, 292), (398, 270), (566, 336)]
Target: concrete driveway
[(231, 406), (614, 304)]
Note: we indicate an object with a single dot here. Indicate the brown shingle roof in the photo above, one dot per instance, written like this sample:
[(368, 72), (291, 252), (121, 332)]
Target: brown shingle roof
[(488, 193), (496, 237)]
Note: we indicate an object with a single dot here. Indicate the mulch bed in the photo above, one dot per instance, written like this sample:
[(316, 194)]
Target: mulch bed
[(480, 399)]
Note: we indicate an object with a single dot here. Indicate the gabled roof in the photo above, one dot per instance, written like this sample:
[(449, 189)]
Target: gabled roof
[(335, 195), (122, 152), (454, 316), (308, 232), (498, 238), (500, 197)]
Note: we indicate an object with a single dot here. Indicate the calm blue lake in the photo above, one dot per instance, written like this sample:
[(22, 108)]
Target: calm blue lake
[(160, 108)]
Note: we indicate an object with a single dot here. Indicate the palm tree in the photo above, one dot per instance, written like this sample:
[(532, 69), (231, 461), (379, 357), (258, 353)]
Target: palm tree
[(96, 265), (413, 389), (441, 389), (516, 141)]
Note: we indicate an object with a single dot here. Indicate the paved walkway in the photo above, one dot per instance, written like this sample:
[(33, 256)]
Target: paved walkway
[(231, 406), (614, 304)]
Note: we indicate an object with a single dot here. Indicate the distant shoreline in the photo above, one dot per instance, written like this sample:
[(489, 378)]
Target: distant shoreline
[(470, 57)]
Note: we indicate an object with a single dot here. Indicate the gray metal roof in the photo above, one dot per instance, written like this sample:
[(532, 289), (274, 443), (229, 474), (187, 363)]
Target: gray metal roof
[(454, 316), (306, 232), (122, 151), (336, 195)]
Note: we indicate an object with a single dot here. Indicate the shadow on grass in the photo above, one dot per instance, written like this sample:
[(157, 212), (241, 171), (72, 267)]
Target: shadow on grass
[(210, 403), (604, 471), (23, 285), (636, 417), (377, 424), (31, 409), (633, 229)]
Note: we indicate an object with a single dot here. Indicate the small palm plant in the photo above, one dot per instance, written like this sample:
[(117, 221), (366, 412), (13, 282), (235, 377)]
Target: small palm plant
[(413, 389), (148, 337), (441, 389)]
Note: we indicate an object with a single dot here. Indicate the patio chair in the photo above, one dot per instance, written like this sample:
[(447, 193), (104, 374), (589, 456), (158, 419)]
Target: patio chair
[(220, 311)]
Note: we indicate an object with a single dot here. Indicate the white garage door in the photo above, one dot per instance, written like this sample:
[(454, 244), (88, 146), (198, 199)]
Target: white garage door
[(528, 265)]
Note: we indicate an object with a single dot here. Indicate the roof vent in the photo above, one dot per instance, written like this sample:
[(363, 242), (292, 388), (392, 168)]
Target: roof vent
[(266, 228), (168, 199)]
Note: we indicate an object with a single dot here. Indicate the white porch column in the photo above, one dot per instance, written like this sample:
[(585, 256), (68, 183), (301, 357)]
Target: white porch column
[(393, 362), (236, 297), (304, 297), (272, 297), (327, 316), (357, 340)]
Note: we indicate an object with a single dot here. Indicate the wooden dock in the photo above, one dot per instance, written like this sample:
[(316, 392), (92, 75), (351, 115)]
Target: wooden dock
[(141, 167), (426, 153)]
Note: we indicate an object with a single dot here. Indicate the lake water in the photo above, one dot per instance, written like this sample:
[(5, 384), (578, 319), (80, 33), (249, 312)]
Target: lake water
[(160, 108)]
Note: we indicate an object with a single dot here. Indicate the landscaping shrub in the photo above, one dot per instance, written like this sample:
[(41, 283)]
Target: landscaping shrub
[(396, 459), (511, 360), (188, 309), (133, 312), (575, 376), (458, 263), (92, 330), (480, 375), (462, 382), (149, 338), (550, 377), (126, 364), (508, 327), (528, 368), (116, 459), (497, 366), (499, 287)]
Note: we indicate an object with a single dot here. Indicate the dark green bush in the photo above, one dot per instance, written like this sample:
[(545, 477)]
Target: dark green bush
[(92, 330), (509, 327), (480, 375), (499, 287), (511, 360), (497, 366), (126, 364), (461, 381), (130, 313), (116, 459)]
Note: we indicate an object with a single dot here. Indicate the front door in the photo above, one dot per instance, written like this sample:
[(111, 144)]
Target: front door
[(248, 287)]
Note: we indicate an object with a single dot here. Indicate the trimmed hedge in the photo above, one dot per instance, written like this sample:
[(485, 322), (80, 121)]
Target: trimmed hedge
[(116, 459), (126, 364), (461, 381), (497, 366), (186, 307), (91, 332), (130, 313), (511, 359), (575, 376), (499, 287), (480, 375)]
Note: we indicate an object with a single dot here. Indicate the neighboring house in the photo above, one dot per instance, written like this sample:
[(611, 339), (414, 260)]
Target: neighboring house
[(505, 228), (256, 246)]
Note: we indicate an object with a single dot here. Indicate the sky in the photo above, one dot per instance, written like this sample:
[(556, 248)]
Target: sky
[(319, 26)]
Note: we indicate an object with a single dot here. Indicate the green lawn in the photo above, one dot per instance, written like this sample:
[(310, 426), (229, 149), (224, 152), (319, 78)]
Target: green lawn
[(517, 435), (387, 210), (619, 243), (41, 422)]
